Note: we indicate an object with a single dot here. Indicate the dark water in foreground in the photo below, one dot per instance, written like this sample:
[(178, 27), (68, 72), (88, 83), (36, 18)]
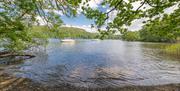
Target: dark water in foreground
[(107, 63)]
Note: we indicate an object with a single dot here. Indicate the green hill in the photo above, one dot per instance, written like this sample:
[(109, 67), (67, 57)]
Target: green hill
[(63, 32), (71, 32)]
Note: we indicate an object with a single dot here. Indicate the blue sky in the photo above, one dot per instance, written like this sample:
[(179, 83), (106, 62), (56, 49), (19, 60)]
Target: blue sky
[(78, 21), (81, 19), (82, 22)]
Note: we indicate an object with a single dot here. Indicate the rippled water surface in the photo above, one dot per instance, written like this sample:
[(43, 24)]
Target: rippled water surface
[(107, 63)]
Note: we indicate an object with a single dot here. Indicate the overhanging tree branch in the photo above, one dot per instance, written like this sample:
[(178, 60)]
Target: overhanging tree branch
[(141, 5), (115, 7)]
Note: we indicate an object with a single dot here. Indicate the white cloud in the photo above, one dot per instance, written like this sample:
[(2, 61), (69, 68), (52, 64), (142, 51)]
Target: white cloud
[(136, 24), (92, 4), (58, 12), (40, 21), (171, 9), (85, 27)]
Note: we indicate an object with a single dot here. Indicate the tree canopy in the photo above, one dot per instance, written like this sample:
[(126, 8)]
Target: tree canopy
[(127, 11), (165, 29), (17, 16)]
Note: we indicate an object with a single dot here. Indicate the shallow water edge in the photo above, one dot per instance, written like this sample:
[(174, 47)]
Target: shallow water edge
[(86, 65), (29, 85)]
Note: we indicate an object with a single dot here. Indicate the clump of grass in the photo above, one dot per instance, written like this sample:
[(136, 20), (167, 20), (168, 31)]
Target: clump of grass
[(173, 49)]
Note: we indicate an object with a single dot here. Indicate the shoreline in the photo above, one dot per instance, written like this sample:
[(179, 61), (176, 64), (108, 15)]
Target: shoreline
[(17, 56), (11, 83), (29, 86)]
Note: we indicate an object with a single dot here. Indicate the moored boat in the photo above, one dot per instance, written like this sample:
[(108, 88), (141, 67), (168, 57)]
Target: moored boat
[(67, 40)]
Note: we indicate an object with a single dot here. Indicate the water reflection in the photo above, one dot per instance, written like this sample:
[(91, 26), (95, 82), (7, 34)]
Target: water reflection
[(108, 63)]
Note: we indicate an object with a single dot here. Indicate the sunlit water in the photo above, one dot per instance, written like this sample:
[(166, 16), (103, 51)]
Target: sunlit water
[(107, 63)]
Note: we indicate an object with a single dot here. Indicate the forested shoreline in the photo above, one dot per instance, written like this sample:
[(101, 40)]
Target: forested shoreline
[(67, 32), (160, 29)]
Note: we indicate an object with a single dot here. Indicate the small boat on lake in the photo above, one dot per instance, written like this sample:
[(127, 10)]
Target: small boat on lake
[(68, 40), (95, 39)]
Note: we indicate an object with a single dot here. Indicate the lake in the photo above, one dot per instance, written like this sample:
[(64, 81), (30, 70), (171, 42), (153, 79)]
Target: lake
[(100, 64)]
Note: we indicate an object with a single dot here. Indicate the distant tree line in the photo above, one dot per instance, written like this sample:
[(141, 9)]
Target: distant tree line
[(161, 29), (67, 32)]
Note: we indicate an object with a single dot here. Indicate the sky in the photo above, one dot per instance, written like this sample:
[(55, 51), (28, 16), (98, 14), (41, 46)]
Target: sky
[(82, 22)]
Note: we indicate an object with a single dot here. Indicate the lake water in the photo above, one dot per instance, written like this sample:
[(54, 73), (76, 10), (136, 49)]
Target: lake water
[(106, 63)]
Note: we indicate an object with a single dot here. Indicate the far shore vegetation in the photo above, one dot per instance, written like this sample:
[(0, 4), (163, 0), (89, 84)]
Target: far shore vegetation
[(67, 32), (19, 17), (143, 35)]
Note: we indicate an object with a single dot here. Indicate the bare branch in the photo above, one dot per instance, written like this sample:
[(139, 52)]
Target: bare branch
[(115, 7), (147, 1), (141, 5)]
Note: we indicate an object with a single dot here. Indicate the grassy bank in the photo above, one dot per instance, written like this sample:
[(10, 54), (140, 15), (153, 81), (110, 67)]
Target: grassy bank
[(178, 39), (173, 49)]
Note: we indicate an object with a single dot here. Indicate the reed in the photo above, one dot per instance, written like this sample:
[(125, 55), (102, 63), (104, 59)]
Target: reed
[(173, 49)]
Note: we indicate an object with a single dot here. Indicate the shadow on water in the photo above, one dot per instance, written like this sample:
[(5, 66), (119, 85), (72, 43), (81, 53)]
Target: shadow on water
[(109, 65), (14, 59)]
